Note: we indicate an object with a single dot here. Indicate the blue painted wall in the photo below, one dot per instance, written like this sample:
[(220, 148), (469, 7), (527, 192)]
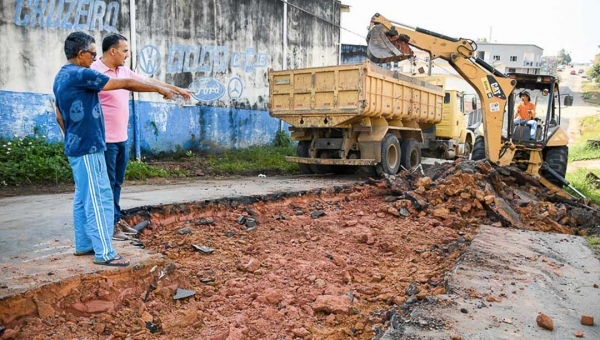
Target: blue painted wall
[(220, 49)]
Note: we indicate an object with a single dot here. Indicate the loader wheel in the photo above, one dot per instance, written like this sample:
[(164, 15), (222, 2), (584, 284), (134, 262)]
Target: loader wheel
[(557, 158), (478, 149), (411, 154), (302, 151), (390, 155), (468, 148)]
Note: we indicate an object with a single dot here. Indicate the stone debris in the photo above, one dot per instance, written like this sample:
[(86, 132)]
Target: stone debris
[(183, 293), (587, 320), (545, 321), (332, 304), (578, 334)]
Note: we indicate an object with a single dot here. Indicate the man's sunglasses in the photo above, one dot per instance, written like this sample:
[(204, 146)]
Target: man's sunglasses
[(93, 54)]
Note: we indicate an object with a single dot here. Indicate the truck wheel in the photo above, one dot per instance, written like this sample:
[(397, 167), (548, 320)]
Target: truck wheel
[(557, 158), (478, 149), (411, 154), (390, 155), (302, 151), (321, 168), (345, 169)]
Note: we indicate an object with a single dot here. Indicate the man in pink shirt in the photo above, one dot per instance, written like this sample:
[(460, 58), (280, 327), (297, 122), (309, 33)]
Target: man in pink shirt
[(115, 105)]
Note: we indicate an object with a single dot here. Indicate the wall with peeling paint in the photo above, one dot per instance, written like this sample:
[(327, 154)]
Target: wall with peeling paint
[(222, 49)]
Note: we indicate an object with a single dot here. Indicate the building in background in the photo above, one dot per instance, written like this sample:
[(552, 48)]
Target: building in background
[(519, 58)]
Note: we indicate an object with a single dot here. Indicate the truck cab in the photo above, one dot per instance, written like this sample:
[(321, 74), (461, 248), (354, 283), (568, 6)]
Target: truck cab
[(451, 137)]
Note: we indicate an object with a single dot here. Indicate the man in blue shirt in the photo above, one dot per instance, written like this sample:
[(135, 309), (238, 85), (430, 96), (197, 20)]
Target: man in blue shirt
[(79, 115)]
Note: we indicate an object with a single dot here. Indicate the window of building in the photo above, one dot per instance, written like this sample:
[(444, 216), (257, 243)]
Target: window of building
[(513, 58), (496, 57), (512, 70), (481, 54), (426, 59)]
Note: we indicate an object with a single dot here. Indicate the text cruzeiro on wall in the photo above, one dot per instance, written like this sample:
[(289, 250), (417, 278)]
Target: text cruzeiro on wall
[(89, 15)]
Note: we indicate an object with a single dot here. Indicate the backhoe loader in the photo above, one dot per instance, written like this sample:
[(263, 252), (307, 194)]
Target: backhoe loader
[(499, 140)]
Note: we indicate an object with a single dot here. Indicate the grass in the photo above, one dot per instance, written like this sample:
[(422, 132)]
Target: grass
[(268, 159), (589, 127), (580, 182), (593, 242), (591, 92), (139, 171), (32, 160), (35, 161)]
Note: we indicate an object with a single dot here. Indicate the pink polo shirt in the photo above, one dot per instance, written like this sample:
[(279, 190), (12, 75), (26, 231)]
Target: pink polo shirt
[(115, 103)]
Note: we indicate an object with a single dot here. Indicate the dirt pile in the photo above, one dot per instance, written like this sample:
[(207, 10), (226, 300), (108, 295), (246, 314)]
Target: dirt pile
[(326, 264)]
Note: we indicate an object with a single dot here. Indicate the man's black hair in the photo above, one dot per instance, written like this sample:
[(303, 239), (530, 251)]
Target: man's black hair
[(111, 40), (76, 42)]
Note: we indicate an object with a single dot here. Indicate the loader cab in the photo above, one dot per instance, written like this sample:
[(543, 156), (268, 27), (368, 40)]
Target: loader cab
[(544, 92)]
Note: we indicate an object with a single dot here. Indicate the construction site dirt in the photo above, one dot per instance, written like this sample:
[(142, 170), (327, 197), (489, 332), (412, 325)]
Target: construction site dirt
[(351, 262)]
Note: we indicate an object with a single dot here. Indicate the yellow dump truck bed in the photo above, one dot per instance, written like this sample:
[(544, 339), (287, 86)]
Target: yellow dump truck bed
[(337, 96)]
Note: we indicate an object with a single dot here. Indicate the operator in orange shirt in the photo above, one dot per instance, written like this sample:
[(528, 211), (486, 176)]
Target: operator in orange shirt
[(526, 113)]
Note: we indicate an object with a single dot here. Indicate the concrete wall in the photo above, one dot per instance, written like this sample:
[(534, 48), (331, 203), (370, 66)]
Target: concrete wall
[(222, 49)]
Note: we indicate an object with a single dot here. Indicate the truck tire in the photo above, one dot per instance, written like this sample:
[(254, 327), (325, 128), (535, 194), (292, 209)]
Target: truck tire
[(478, 149), (302, 151), (557, 158), (390, 155), (321, 168), (411, 154)]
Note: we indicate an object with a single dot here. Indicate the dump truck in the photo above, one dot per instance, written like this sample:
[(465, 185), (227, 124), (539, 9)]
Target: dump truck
[(353, 115), (451, 137)]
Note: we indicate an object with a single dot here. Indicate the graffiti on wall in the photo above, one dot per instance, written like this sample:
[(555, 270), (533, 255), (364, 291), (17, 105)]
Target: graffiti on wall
[(205, 59), (88, 15)]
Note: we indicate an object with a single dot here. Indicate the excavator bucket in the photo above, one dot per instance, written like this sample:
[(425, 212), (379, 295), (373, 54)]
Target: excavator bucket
[(381, 50)]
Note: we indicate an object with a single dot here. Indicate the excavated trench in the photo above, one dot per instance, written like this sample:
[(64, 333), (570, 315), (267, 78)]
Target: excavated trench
[(327, 264)]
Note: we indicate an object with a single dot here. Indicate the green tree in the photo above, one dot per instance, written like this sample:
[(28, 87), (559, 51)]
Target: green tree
[(594, 72), (564, 57)]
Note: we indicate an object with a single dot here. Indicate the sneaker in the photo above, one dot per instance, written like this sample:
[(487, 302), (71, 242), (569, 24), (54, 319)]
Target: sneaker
[(118, 235), (126, 228)]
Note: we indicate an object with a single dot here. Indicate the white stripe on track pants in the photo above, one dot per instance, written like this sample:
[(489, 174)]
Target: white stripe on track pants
[(93, 206)]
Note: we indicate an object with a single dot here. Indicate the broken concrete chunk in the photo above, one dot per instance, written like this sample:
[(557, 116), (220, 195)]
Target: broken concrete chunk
[(205, 221), (141, 226), (316, 214), (251, 222), (183, 293), (203, 249), (578, 334), (184, 231), (412, 289)]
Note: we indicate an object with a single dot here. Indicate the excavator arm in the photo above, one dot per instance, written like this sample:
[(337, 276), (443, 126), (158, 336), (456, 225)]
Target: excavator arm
[(492, 86)]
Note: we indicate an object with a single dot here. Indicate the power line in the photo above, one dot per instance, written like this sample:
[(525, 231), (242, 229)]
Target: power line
[(323, 19)]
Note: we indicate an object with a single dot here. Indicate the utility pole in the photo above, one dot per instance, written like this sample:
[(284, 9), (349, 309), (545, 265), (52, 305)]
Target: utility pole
[(490, 34)]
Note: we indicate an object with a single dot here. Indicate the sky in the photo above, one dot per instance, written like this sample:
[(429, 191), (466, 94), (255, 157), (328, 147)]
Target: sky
[(553, 25)]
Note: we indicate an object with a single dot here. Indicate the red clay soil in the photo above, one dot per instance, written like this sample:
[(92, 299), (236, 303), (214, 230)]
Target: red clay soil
[(332, 264)]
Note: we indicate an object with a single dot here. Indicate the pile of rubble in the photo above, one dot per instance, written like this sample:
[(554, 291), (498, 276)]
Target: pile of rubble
[(501, 196)]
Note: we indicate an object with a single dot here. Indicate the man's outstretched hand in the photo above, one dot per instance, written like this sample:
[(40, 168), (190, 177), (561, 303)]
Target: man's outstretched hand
[(166, 93), (185, 93)]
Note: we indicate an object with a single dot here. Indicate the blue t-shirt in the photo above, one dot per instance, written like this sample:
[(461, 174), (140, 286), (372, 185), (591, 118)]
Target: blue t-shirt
[(76, 90)]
